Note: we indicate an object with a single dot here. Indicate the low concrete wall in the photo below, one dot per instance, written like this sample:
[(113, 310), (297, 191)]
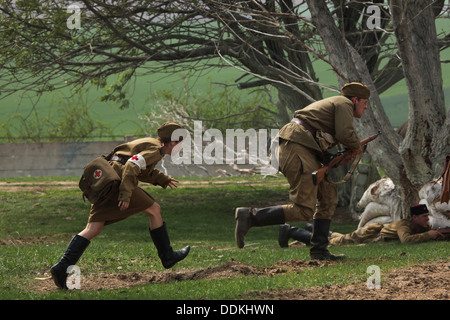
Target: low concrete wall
[(69, 158), (50, 158)]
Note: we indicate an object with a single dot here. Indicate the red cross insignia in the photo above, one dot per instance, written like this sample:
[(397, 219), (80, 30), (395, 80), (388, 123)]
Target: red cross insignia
[(138, 160), (98, 174)]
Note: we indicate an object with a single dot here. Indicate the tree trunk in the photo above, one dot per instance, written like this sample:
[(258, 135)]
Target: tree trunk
[(415, 30)]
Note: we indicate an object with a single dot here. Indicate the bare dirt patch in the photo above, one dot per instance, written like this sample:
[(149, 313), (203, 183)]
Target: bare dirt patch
[(417, 282), (229, 269), (37, 186), (40, 186)]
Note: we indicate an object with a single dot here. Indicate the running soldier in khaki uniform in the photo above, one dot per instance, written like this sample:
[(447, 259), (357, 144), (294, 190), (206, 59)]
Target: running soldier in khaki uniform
[(302, 144), (134, 161), (410, 230)]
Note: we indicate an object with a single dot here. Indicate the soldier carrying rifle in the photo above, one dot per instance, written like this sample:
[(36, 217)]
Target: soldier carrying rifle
[(303, 143)]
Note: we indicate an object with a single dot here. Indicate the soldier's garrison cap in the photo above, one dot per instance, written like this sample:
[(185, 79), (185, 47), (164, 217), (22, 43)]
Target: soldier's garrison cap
[(355, 89), (165, 131)]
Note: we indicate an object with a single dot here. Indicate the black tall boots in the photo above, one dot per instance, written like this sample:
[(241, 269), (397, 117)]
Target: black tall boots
[(315, 235), (247, 218), (319, 241), (286, 232), (71, 256), (168, 256), (78, 245)]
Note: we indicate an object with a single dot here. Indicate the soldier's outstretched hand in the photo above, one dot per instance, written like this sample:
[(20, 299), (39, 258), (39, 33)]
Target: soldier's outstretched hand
[(173, 183)]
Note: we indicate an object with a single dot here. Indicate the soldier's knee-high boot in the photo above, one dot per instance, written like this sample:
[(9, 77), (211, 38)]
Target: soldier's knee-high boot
[(319, 241), (286, 232), (71, 256), (247, 218), (168, 256)]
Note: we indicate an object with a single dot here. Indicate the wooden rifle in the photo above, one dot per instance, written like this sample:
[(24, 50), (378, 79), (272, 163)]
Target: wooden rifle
[(445, 232), (320, 174)]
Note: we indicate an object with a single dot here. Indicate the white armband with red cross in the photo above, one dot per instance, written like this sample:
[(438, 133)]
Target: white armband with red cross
[(138, 160)]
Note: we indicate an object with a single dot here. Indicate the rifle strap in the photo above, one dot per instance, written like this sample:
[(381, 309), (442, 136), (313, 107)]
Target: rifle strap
[(352, 169), (444, 230), (353, 166)]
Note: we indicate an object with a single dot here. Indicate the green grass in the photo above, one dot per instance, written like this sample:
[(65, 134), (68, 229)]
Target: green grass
[(35, 228)]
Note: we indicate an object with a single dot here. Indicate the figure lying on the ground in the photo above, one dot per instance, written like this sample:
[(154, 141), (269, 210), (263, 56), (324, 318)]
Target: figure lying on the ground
[(413, 229)]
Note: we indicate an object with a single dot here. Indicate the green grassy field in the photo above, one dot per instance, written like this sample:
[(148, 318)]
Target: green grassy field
[(36, 226)]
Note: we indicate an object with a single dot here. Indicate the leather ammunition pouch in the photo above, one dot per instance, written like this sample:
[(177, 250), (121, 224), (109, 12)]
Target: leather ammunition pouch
[(98, 179), (325, 140)]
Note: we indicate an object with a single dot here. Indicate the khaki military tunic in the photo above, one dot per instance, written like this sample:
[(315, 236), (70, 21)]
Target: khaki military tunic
[(135, 161), (403, 230), (300, 154)]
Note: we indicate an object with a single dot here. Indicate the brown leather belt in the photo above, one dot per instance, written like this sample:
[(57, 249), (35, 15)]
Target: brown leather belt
[(305, 125)]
